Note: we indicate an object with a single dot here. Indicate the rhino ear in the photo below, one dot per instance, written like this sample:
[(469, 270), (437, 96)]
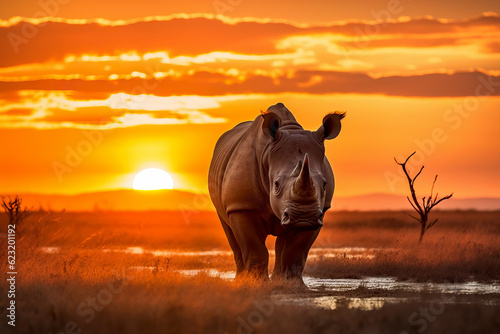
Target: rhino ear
[(331, 126), (271, 125)]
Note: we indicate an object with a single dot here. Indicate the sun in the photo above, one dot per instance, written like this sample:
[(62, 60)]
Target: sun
[(152, 179)]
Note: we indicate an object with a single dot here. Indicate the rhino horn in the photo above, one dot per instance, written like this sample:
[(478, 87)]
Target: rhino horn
[(303, 185)]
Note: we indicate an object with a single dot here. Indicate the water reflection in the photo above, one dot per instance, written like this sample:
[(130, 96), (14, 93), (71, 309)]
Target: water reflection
[(227, 275), (50, 250), (349, 252), (320, 285), (354, 252), (345, 252), (168, 252), (334, 302), (390, 283)]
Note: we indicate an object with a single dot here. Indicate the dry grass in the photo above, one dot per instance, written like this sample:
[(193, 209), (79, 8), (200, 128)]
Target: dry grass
[(52, 287), (432, 262), (156, 230), (462, 245)]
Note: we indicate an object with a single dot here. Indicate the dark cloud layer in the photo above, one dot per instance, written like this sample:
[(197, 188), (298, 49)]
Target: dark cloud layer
[(314, 82), (26, 43)]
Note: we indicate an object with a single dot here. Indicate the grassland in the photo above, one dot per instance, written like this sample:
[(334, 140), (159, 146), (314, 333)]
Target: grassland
[(461, 246), (87, 286)]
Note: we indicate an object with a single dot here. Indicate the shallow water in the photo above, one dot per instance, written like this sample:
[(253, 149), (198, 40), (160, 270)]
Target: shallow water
[(321, 286), (390, 283), (369, 283), (373, 283), (346, 252), (334, 302), (169, 252)]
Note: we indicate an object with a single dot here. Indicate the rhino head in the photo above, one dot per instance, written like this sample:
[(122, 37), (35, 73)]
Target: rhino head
[(301, 181)]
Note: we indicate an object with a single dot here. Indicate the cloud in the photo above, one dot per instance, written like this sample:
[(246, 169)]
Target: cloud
[(55, 109), (18, 112), (47, 40), (58, 72), (493, 47), (206, 84), (177, 37)]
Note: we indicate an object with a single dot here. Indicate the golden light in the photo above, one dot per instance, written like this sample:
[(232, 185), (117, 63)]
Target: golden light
[(152, 179)]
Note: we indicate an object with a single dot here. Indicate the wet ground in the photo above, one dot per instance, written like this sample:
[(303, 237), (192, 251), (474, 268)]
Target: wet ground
[(367, 293), (372, 293)]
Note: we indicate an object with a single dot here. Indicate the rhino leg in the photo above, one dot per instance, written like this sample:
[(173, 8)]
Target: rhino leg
[(295, 251), (251, 240), (278, 249), (238, 258)]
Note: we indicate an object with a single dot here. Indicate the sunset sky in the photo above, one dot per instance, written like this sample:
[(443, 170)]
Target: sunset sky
[(92, 92)]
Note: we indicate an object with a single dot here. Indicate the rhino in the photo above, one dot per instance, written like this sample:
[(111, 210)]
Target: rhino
[(269, 176)]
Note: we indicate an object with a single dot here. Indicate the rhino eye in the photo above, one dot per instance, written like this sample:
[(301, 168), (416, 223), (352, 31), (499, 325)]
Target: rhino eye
[(324, 185), (277, 186)]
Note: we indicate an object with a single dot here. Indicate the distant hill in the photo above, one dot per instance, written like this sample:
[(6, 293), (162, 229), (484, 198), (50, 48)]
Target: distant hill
[(374, 202), (119, 200)]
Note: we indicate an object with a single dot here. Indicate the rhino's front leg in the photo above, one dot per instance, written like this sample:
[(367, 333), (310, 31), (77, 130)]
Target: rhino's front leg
[(278, 250), (295, 250), (247, 229)]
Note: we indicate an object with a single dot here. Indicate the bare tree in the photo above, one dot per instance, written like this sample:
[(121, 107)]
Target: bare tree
[(427, 203), (13, 208)]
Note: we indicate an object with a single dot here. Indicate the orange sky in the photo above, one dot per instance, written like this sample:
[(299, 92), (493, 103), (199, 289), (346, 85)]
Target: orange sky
[(97, 92)]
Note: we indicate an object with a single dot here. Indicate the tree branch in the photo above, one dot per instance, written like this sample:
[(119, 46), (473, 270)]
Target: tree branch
[(431, 224), (420, 171), (427, 202), (414, 217), (414, 207)]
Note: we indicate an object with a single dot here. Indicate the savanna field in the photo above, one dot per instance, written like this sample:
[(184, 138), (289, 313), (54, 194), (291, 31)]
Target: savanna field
[(112, 120), (159, 272)]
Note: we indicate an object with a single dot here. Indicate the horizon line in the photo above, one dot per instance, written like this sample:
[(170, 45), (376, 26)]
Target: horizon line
[(188, 191)]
